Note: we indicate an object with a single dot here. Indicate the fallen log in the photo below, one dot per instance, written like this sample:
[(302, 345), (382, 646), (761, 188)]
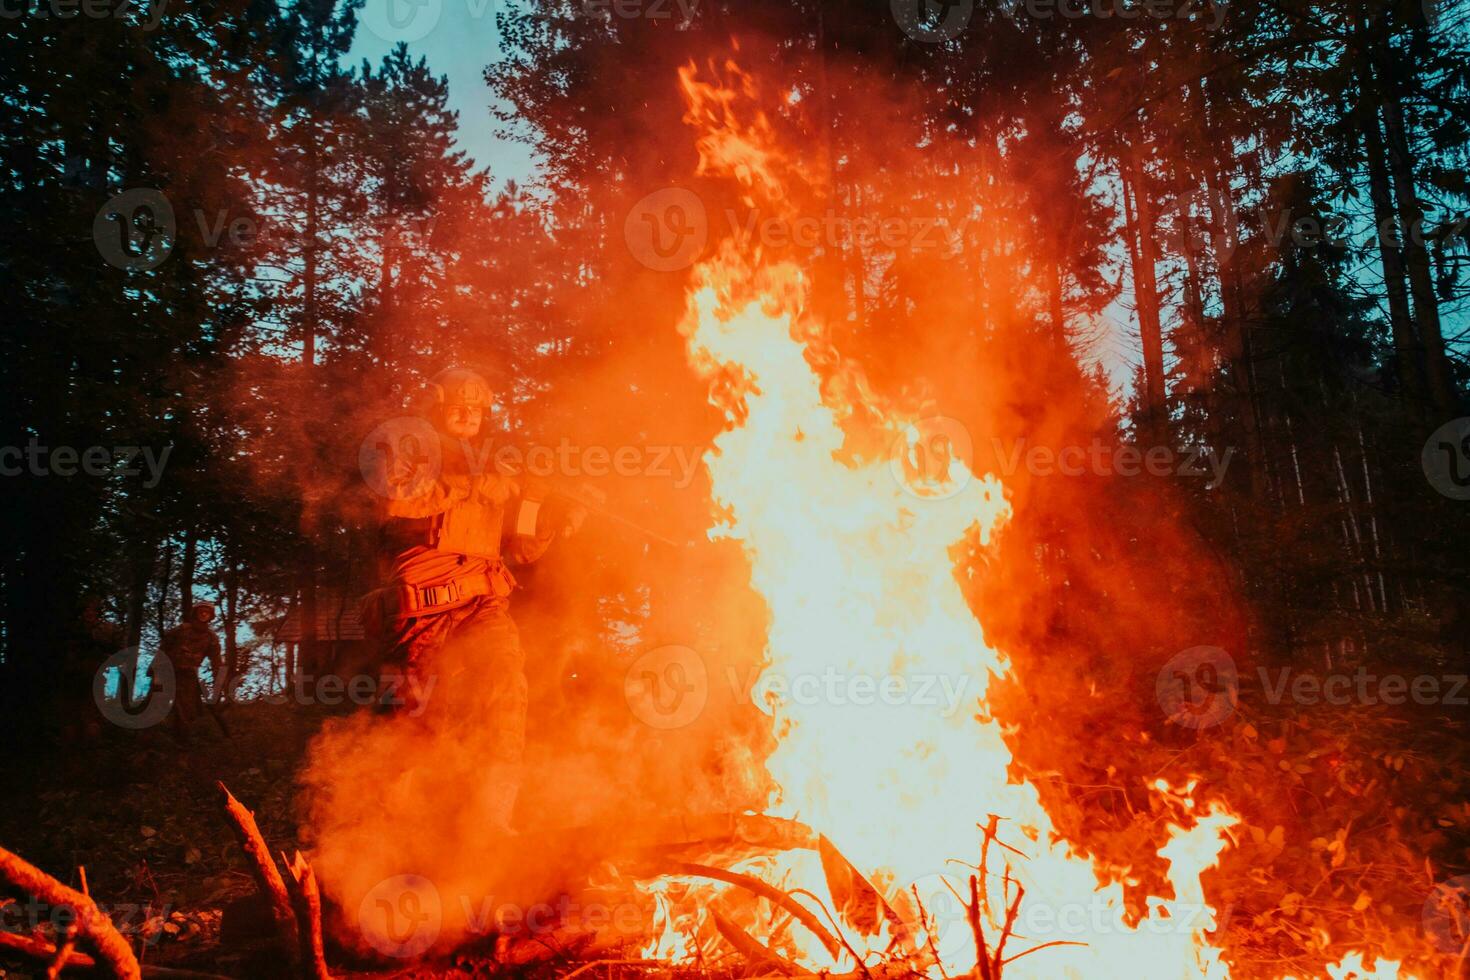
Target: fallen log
[(263, 868), (93, 927)]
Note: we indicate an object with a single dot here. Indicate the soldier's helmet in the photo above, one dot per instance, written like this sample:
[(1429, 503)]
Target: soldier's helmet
[(459, 386), (201, 612)]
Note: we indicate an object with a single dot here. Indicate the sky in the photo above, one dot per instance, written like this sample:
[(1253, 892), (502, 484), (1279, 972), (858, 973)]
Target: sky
[(459, 39)]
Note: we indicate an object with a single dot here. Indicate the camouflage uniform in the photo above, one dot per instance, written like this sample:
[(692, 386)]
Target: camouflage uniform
[(187, 646), (446, 542)]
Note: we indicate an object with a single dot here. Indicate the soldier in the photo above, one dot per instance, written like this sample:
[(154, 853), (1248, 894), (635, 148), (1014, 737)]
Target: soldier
[(448, 536), (93, 641), (187, 646)]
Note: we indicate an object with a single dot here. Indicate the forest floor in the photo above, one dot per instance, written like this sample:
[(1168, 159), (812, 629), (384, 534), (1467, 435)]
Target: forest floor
[(141, 811)]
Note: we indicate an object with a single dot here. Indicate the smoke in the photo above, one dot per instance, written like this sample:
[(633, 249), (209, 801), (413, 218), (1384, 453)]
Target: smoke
[(639, 652)]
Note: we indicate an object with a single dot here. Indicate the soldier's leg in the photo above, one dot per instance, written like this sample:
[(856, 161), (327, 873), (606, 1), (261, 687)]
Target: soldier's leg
[(411, 648), (187, 694), (492, 687)]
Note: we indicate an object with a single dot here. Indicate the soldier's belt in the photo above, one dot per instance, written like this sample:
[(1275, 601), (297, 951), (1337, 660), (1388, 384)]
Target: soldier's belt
[(413, 599)]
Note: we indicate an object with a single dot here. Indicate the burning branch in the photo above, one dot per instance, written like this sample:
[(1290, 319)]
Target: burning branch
[(982, 955), (991, 966), (752, 949), (92, 927), (858, 902), (767, 891)]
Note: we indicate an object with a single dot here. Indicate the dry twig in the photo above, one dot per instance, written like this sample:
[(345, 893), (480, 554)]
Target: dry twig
[(92, 926)]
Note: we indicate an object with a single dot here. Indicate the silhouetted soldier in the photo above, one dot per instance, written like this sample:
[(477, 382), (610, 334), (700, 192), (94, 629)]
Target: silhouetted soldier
[(92, 641), (452, 525), (187, 646)]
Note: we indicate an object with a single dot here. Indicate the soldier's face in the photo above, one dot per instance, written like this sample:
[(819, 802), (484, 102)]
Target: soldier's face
[(462, 421)]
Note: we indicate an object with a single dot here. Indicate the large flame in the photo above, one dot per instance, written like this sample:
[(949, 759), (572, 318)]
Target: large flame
[(877, 668)]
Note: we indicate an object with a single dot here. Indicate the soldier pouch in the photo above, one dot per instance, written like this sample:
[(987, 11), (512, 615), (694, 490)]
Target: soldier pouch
[(405, 600)]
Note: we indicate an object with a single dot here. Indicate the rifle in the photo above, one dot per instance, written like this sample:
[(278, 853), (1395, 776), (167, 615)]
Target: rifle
[(585, 496), (593, 501)]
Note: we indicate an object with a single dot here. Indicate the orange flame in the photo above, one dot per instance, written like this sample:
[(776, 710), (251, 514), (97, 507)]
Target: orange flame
[(877, 669)]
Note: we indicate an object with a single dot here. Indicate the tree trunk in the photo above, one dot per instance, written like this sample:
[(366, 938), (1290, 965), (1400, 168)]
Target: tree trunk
[(1238, 351), (1138, 216), (1421, 273), (164, 580), (1405, 337), (309, 267), (232, 665), (186, 571), (1058, 307)]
